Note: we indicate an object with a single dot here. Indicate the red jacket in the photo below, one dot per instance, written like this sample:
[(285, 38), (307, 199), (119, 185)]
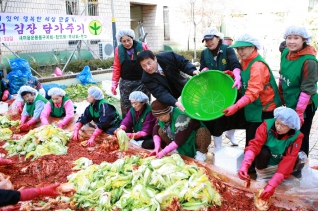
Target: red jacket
[(117, 65), (288, 161)]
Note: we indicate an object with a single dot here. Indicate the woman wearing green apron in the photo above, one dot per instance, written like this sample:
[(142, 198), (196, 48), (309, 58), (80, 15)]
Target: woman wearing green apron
[(101, 112), (188, 136), (58, 106), (34, 104), (276, 145), (259, 89), (139, 121), (298, 78)]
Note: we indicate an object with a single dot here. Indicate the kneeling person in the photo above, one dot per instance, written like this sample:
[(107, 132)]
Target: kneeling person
[(101, 112), (188, 136)]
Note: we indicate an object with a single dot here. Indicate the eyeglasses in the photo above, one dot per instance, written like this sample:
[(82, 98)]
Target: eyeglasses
[(240, 48)]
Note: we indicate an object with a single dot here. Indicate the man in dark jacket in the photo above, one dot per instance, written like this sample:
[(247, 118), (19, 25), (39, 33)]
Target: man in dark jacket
[(164, 75)]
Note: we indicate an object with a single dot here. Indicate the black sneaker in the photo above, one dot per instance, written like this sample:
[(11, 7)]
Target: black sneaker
[(296, 174)]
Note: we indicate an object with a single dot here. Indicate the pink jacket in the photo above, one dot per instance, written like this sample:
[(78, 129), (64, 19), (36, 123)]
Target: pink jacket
[(117, 65), (69, 110)]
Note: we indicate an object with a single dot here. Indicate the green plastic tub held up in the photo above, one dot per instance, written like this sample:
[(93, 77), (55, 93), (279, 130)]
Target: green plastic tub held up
[(205, 96)]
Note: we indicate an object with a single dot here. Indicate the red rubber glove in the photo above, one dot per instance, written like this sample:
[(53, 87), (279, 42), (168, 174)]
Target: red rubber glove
[(4, 161), (229, 72), (172, 146), (302, 105), (27, 126), (96, 133), (244, 101), (19, 106), (114, 87), (247, 162), (5, 95), (76, 131), (157, 141), (271, 186), (31, 193), (237, 78)]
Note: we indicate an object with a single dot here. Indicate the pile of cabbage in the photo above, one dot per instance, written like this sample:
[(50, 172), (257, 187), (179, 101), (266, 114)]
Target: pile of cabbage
[(44, 140), (133, 183), (5, 122)]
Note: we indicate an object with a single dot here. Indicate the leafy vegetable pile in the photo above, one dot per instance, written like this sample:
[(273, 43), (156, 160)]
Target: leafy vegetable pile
[(5, 133), (5, 122), (150, 184), (41, 141), (78, 92)]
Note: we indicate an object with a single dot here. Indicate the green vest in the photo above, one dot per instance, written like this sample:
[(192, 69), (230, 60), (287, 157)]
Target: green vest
[(123, 55), (277, 147), (30, 107), (222, 61), (137, 125), (188, 147), (290, 73), (58, 112), (253, 111), (95, 114)]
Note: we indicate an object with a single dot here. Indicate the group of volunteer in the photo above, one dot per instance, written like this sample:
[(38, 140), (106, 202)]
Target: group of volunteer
[(277, 119)]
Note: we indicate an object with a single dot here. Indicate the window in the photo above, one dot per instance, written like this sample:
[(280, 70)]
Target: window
[(71, 7), (166, 23), (92, 7)]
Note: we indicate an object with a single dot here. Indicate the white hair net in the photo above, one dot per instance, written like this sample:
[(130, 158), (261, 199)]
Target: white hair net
[(214, 32), (56, 91), (125, 32), (26, 89), (139, 96), (288, 117), (96, 93), (250, 39), (298, 30)]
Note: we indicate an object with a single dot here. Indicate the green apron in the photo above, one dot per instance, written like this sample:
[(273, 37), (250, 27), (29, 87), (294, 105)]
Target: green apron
[(222, 60), (58, 112), (30, 107), (137, 125), (291, 75), (188, 147), (277, 147), (124, 56), (253, 111)]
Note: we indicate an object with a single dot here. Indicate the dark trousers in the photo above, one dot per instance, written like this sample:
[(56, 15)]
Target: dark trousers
[(305, 128)]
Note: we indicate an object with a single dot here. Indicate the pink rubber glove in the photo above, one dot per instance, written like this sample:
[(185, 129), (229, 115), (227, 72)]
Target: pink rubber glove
[(61, 125), (247, 162), (114, 87), (5, 95), (123, 127), (45, 114), (204, 69), (31, 193), (271, 186), (157, 141), (76, 131), (237, 78), (27, 126), (244, 101), (96, 133), (23, 119), (302, 105), (137, 135), (172, 146), (4, 161), (19, 106)]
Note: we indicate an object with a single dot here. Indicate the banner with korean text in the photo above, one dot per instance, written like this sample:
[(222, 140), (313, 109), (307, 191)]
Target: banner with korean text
[(19, 27)]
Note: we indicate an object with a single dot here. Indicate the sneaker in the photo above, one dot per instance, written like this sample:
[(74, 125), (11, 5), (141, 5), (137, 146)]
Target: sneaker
[(297, 174), (200, 156)]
